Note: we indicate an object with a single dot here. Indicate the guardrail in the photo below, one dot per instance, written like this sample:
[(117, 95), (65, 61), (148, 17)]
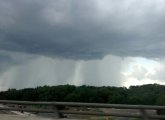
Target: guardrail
[(54, 107)]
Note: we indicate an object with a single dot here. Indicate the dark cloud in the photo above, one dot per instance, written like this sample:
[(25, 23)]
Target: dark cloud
[(10, 59), (5, 62), (33, 32), (83, 29)]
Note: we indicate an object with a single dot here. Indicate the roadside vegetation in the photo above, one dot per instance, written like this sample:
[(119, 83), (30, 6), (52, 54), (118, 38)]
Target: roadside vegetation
[(150, 94)]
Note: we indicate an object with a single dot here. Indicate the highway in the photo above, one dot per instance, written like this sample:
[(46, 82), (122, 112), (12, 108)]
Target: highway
[(19, 117), (16, 115)]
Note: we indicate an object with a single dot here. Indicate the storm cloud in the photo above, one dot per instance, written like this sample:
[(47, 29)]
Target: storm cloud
[(82, 33), (85, 29)]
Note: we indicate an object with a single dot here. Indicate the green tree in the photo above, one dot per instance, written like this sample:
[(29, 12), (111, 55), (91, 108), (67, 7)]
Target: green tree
[(161, 100)]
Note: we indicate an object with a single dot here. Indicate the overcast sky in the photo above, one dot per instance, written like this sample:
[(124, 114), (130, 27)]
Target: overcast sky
[(92, 42)]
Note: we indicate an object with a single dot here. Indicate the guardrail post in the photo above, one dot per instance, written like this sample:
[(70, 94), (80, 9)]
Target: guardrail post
[(144, 114), (56, 111), (160, 112)]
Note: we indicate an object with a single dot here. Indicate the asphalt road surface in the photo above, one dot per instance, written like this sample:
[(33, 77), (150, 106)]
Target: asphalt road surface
[(18, 117), (124, 118)]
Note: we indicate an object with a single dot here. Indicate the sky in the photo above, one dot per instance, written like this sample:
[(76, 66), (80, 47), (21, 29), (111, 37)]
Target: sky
[(87, 42)]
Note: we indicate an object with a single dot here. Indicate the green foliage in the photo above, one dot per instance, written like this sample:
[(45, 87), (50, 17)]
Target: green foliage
[(161, 100), (151, 94)]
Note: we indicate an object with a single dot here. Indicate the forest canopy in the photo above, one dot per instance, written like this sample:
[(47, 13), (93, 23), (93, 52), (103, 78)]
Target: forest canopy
[(150, 94)]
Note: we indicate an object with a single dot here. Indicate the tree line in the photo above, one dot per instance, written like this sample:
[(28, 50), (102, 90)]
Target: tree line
[(150, 94)]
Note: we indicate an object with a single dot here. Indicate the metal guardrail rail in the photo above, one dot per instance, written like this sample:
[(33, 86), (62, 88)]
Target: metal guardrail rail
[(55, 109)]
